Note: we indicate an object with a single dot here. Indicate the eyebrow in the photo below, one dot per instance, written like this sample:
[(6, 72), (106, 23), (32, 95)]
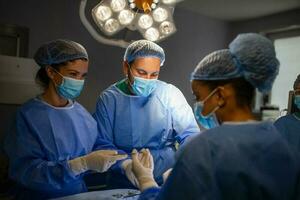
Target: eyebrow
[(78, 72), (146, 71), (73, 70)]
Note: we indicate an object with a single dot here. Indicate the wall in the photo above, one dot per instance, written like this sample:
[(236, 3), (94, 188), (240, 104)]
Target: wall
[(267, 23)]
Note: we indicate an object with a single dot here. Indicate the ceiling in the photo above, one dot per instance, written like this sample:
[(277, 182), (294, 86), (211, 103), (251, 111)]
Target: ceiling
[(236, 10)]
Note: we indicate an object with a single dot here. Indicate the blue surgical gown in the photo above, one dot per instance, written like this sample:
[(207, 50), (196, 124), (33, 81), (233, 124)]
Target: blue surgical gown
[(233, 162), (43, 140), (155, 122), (289, 127)]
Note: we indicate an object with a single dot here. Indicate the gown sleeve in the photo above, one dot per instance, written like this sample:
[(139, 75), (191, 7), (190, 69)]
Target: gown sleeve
[(183, 119), (28, 163)]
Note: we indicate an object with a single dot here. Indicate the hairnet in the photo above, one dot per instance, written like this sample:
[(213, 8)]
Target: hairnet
[(59, 51), (297, 82), (250, 55), (144, 48)]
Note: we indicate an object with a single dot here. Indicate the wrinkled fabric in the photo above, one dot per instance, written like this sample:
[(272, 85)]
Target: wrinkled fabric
[(144, 48), (155, 122), (59, 51), (233, 162), (289, 127), (43, 140)]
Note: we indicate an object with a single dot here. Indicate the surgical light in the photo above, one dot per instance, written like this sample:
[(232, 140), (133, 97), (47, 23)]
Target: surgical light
[(111, 25), (125, 17), (152, 34), (118, 5), (166, 27), (152, 18), (169, 1), (160, 14), (145, 21), (103, 13)]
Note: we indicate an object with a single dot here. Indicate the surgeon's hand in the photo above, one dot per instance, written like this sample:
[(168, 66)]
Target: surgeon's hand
[(142, 167), (99, 161), (166, 174), (127, 166)]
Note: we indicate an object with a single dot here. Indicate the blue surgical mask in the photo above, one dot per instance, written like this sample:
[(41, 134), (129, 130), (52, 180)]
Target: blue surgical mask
[(209, 121), (143, 87), (70, 88), (297, 101)]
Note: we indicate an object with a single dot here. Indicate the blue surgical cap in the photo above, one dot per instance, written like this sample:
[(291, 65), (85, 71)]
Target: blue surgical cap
[(250, 55), (297, 83), (59, 51), (144, 48)]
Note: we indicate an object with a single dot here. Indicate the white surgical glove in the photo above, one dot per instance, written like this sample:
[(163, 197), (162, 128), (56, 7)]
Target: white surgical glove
[(166, 174), (142, 167), (127, 166), (99, 161)]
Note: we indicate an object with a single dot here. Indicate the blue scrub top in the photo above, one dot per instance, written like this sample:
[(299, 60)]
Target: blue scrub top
[(289, 127), (234, 162), (43, 140), (155, 122)]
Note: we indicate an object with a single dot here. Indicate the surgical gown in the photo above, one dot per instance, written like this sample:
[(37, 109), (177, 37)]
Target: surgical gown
[(155, 122), (289, 127), (43, 140), (233, 162)]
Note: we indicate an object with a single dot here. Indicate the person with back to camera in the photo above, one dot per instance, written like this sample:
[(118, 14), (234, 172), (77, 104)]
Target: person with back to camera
[(55, 140), (240, 158), (289, 125)]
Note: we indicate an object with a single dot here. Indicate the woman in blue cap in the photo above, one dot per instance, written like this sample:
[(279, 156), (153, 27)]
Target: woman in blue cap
[(141, 111), (289, 125), (55, 140), (239, 157)]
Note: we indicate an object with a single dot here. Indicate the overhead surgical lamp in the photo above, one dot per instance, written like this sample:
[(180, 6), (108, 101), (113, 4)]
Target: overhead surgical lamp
[(152, 18)]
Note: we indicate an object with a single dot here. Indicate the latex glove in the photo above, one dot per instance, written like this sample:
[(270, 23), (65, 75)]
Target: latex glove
[(99, 161), (166, 174), (142, 167), (127, 166)]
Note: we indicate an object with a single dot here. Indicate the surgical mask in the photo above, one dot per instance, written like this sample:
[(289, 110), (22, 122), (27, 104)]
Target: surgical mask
[(143, 87), (70, 88), (297, 101), (209, 121)]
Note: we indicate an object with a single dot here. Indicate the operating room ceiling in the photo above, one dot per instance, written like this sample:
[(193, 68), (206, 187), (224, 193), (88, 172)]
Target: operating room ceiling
[(236, 10)]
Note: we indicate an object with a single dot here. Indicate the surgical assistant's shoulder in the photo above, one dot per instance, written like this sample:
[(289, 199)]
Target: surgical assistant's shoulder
[(32, 106), (111, 95), (169, 94)]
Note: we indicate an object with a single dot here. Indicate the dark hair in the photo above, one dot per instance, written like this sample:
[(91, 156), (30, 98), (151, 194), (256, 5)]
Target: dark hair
[(244, 91), (41, 77)]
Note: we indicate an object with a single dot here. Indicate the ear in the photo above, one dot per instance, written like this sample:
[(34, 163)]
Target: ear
[(50, 72), (125, 67), (222, 96)]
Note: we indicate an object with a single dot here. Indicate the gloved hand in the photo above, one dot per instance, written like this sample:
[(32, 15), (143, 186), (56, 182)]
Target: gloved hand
[(127, 167), (142, 167), (166, 174), (99, 161)]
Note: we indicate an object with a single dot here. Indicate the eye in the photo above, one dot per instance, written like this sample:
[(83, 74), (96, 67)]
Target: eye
[(141, 72), (154, 75)]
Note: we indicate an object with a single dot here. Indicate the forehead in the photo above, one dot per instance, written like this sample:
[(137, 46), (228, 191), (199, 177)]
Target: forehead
[(76, 65), (147, 62)]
